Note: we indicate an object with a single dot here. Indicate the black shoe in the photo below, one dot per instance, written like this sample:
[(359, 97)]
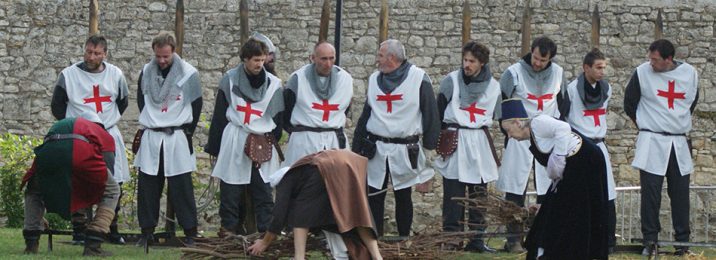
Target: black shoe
[(116, 239), (480, 248), (78, 238), (683, 251), (145, 240)]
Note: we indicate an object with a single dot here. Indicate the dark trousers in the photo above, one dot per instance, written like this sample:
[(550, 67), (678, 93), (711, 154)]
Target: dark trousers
[(678, 191), (231, 195), (454, 212), (113, 229), (180, 192), (403, 207), (611, 224)]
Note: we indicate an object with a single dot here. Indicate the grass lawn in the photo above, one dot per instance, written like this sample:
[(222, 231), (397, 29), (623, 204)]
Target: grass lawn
[(12, 244)]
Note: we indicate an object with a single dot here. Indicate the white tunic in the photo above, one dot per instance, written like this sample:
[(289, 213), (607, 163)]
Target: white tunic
[(232, 164), (396, 114), (592, 124), (174, 112), (666, 98), (516, 158), (96, 94), (311, 111), (472, 161)]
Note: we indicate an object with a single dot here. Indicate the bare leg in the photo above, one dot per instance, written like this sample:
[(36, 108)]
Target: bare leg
[(300, 235), (370, 242)]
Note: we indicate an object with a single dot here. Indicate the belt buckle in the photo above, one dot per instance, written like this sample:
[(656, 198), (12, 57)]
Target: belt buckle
[(168, 130)]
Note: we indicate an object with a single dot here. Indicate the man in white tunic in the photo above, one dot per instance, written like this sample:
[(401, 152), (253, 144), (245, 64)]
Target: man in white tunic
[(584, 107), (400, 107), (537, 81), (467, 101), (98, 91), (169, 100), (660, 98), (317, 98), (249, 102)]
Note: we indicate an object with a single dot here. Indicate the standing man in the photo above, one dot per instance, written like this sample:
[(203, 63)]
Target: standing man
[(317, 98), (660, 98), (72, 170), (536, 81), (169, 99), (467, 101), (584, 107), (97, 90), (400, 107), (245, 129)]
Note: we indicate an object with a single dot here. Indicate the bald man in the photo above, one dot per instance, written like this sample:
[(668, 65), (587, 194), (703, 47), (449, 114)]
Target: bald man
[(317, 97)]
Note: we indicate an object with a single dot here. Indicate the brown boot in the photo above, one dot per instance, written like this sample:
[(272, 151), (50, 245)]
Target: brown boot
[(32, 241), (93, 244)]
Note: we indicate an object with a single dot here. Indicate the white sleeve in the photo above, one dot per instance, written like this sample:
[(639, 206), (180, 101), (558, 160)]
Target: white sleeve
[(559, 132)]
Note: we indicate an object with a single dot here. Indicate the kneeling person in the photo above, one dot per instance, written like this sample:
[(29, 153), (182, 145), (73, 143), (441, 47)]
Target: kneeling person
[(72, 171), (571, 222), (325, 190)]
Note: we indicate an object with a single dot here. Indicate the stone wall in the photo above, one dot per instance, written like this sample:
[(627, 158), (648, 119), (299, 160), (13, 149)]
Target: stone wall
[(39, 38)]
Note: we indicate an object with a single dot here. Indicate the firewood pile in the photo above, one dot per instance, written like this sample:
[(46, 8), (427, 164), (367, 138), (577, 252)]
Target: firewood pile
[(499, 211), (236, 247)]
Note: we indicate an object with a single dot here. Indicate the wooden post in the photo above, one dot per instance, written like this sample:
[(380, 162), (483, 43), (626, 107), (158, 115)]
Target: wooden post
[(179, 27), (325, 18), (526, 29), (383, 22), (244, 20), (466, 22), (596, 25), (94, 17), (659, 26)]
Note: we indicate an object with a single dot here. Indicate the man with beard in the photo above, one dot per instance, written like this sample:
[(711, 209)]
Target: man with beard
[(270, 61), (244, 130), (317, 99), (536, 81), (98, 90), (400, 107), (169, 99), (584, 107), (467, 101)]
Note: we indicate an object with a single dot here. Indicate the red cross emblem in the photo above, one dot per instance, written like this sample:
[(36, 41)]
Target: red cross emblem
[(97, 99), (389, 98), (248, 112), (540, 99), (326, 107), (595, 113), (671, 94), (472, 109)]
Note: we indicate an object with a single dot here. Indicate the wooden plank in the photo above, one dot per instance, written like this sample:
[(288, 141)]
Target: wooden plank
[(596, 26), (179, 27), (466, 22), (659, 26), (526, 29), (383, 22), (325, 18), (94, 17), (244, 20)]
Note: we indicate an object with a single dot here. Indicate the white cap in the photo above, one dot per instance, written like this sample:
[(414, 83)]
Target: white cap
[(262, 38)]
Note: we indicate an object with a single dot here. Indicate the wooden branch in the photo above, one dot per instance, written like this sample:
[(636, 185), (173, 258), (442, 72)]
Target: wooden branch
[(466, 22), (244, 20), (179, 27), (94, 17), (325, 18), (383, 22), (526, 29), (596, 26), (659, 26)]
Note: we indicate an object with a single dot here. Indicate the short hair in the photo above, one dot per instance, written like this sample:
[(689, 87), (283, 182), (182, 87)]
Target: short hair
[(252, 48), (480, 51), (592, 56), (545, 45), (164, 38), (394, 47), (97, 40), (664, 47)]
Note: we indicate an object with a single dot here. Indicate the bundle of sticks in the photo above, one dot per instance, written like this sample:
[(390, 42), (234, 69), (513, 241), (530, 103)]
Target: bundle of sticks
[(499, 211), (236, 247)]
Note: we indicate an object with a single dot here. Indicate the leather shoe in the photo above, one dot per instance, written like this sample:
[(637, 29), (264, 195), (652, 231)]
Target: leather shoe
[(683, 251), (481, 248)]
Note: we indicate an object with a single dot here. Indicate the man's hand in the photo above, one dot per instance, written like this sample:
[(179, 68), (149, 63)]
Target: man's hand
[(258, 247), (212, 161), (425, 187)]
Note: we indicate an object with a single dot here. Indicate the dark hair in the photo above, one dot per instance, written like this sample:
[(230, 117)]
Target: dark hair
[(252, 48), (593, 55), (664, 47), (480, 51), (97, 40), (545, 45), (164, 38)]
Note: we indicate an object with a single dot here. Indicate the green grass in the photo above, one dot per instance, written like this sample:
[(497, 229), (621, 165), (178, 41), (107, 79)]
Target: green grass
[(12, 244)]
